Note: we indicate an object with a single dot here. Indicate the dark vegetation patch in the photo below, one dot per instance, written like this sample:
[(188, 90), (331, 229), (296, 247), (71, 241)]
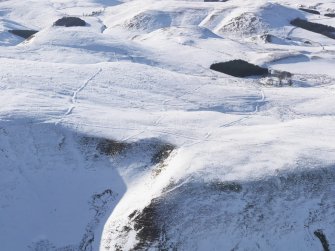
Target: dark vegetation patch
[(162, 152), (239, 68), (330, 14), (111, 147), (106, 146), (151, 152), (150, 227), (310, 11), (226, 186), (322, 237), (322, 29), (158, 150), (70, 22), (23, 33), (147, 226)]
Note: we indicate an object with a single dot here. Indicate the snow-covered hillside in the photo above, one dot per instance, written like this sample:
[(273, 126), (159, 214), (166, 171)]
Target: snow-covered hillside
[(117, 135)]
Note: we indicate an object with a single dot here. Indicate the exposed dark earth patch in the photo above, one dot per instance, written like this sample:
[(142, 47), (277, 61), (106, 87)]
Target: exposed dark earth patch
[(330, 14), (322, 29), (237, 207), (310, 11), (70, 22), (239, 68), (23, 33)]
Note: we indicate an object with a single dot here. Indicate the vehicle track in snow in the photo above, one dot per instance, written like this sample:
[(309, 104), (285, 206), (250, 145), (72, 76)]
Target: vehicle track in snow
[(76, 92)]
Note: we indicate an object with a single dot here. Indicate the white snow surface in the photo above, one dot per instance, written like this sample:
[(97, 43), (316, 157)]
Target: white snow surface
[(252, 165)]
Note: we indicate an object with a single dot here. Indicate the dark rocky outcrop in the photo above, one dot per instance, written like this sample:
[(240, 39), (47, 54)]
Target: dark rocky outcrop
[(330, 14), (239, 68), (70, 22)]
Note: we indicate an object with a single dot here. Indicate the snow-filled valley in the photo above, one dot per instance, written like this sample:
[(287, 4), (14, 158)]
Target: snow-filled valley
[(118, 135)]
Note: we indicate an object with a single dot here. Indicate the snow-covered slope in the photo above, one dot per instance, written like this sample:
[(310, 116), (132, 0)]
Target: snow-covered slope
[(118, 136)]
